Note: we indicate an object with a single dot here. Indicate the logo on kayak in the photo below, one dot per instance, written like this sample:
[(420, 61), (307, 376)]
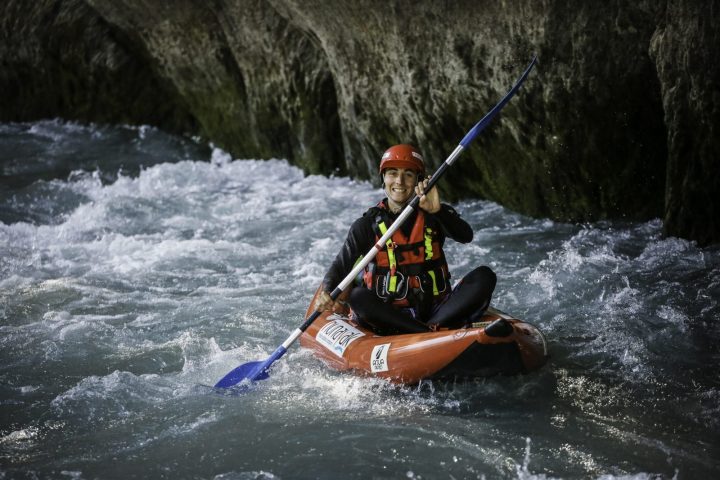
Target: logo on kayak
[(378, 358), (337, 335)]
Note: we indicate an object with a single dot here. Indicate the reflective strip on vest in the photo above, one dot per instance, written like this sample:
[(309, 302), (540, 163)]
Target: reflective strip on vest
[(435, 289), (428, 246), (392, 263)]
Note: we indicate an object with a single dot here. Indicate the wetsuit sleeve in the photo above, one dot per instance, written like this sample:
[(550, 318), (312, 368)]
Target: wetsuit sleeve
[(452, 225), (359, 241)]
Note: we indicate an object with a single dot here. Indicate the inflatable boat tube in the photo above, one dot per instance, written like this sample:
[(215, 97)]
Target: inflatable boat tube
[(497, 345)]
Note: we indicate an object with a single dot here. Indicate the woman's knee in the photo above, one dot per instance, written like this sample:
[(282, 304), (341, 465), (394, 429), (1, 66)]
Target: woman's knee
[(482, 275)]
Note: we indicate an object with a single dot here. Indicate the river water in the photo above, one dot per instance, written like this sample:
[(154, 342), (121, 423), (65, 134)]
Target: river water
[(137, 268)]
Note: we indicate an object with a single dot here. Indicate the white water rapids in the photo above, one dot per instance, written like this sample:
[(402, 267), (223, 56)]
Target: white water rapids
[(137, 268)]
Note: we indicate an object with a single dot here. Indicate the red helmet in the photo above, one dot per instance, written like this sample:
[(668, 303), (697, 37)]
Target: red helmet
[(403, 156)]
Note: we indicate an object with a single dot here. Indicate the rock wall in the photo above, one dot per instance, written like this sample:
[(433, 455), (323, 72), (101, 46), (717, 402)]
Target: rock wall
[(585, 138), (61, 59), (686, 50), (617, 120)]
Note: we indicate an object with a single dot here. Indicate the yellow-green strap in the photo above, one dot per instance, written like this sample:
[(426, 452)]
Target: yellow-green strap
[(436, 292), (392, 263), (428, 244)]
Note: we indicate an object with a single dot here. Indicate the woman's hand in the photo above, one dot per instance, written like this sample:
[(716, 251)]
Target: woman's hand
[(323, 302), (429, 201)]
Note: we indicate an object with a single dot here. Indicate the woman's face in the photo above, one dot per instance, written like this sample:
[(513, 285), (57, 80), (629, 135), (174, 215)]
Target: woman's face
[(400, 184)]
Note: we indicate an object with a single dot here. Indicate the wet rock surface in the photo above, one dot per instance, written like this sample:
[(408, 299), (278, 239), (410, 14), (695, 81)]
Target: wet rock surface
[(617, 120)]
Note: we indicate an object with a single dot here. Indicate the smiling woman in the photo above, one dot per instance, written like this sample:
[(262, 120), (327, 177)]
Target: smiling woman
[(401, 168), (406, 288), (399, 186)]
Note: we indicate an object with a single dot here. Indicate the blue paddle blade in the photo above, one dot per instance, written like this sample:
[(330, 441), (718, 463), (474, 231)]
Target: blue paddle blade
[(251, 371)]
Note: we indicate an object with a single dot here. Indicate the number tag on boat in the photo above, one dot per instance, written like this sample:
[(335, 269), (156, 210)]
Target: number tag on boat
[(337, 335)]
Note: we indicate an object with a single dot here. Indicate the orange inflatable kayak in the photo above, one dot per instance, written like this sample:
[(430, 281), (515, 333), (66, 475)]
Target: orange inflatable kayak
[(497, 345)]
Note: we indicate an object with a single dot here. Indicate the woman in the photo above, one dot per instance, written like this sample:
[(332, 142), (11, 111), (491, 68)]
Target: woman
[(406, 289)]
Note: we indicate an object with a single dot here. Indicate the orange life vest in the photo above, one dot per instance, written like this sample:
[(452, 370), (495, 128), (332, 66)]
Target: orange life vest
[(408, 267)]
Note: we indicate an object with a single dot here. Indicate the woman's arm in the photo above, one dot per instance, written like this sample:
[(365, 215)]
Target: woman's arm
[(453, 225)]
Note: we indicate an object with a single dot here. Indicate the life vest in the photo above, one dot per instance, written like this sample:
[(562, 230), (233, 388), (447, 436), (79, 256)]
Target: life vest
[(409, 271)]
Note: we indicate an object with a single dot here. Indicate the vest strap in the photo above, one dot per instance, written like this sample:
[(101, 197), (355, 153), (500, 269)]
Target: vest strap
[(392, 261)]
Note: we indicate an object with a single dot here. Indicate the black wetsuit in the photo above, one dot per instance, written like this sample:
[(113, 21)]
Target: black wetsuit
[(471, 296)]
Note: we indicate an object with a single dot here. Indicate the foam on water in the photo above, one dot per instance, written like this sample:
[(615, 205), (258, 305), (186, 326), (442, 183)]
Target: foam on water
[(125, 293)]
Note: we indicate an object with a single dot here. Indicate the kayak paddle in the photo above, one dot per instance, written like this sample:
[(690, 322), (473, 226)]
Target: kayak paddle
[(254, 371)]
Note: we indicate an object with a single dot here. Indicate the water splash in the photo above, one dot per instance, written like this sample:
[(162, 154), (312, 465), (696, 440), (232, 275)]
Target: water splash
[(125, 292)]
